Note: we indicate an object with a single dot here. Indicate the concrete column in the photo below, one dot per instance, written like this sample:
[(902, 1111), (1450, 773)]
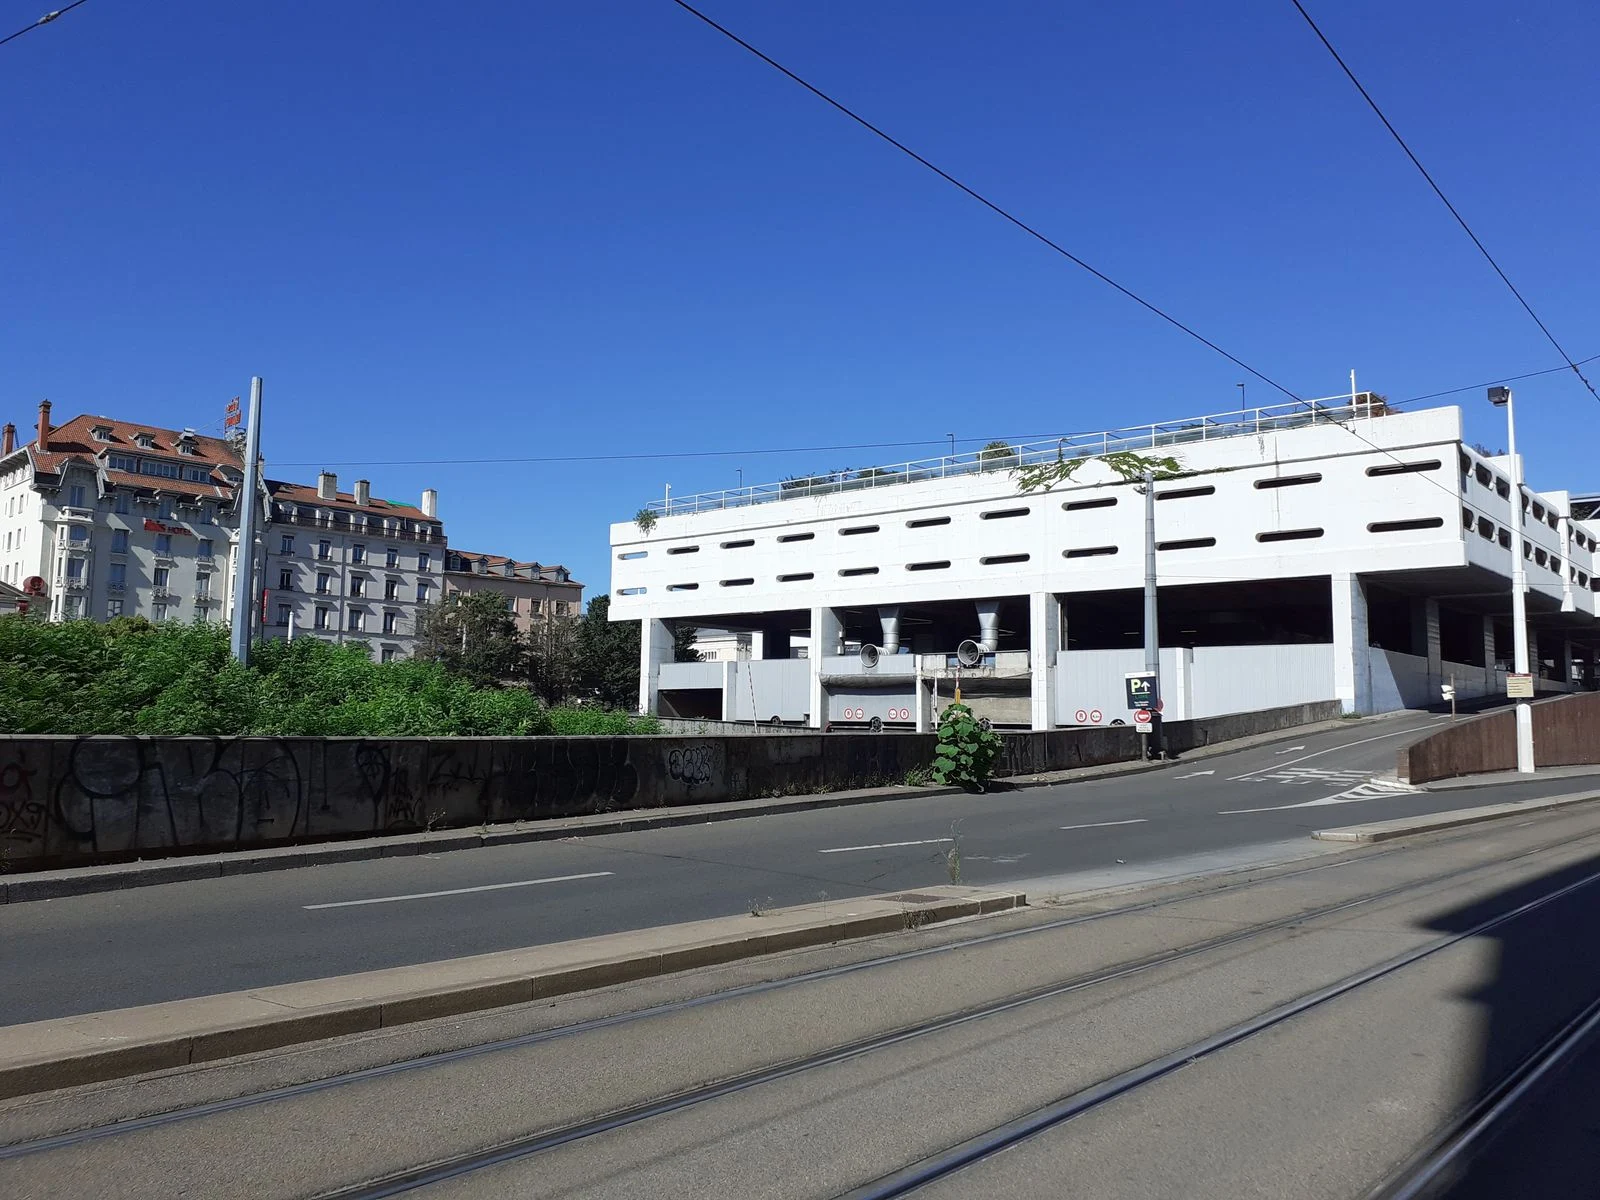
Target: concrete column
[(655, 648), (1566, 663), (758, 644), (827, 639), (1430, 620), (730, 693), (1352, 666), (1492, 684), (1044, 640), (1535, 665)]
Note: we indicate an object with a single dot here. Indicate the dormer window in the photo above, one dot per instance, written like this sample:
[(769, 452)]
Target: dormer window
[(146, 441), (101, 433)]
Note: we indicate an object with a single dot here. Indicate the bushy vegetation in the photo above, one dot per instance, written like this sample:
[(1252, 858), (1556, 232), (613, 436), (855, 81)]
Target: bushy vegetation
[(129, 676), (966, 750)]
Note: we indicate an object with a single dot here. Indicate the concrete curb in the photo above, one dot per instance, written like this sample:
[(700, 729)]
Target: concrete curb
[(1383, 831), (95, 1047), (80, 881)]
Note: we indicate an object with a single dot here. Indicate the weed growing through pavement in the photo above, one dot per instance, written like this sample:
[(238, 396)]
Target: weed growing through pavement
[(760, 908), (952, 856)]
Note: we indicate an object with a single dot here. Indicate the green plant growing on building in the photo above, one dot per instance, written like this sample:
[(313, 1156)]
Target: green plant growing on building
[(1127, 465), (966, 751), (645, 519)]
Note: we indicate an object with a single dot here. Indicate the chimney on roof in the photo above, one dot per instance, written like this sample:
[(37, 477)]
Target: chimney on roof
[(8, 439), (327, 486), (430, 502), (363, 492), (44, 425)]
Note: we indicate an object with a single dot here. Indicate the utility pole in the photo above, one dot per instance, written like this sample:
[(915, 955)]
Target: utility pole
[(1152, 641), (1500, 397), (245, 560)]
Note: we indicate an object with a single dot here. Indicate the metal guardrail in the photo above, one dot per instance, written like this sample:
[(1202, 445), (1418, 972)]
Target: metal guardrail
[(1250, 422)]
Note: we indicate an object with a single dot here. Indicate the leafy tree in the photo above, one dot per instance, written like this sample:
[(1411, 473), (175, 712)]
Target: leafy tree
[(998, 456), (684, 637), (551, 650), (472, 635), (608, 656)]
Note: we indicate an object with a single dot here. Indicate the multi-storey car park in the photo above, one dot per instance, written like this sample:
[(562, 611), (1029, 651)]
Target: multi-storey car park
[(1330, 549)]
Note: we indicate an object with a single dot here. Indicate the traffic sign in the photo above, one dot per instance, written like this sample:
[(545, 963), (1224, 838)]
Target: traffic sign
[(1095, 717), (1142, 716), (1083, 716), (1447, 691), (1142, 690)]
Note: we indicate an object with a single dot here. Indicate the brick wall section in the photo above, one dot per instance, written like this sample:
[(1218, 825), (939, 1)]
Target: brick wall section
[(72, 800), (1566, 732)]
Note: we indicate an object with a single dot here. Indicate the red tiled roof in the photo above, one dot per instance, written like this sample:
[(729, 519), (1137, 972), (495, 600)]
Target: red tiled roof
[(544, 571), (305, 493), (171, 487), (75, 439)]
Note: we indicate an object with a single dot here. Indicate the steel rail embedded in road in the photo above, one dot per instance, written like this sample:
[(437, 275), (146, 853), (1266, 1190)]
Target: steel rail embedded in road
[(195, 1112), (1430, 1169), (518, 1149), (946, 1163)]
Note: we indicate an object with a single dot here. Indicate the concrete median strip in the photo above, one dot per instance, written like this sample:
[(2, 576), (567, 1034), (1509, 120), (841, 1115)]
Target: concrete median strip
[(1383, 831), (69, 1051)]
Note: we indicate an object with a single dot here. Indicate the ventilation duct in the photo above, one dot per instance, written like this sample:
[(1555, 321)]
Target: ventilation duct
[(889, 615), (989, 625)]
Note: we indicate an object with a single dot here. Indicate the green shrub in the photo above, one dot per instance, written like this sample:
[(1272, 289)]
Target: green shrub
[(599, 722), (131, 676), (966, 750)]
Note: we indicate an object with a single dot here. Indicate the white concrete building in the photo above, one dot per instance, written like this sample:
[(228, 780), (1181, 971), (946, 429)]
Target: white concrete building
[(346, 566), (1326, 550), (103, 518)]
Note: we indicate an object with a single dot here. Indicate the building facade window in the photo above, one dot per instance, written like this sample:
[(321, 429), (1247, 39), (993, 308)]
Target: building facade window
[(388, 654), (72, 607), (202, 585), (358, 553), (78, 534), (283, 614), (561, 608), (286, 580), (117, 574), (164, 509), (164, 544), (75, 495), (286, 544), (358, 585), (206, 517), (324, 583), (324, 549), (358, 620), (205, 550), (119, 541), (163, 576), (158, 611), (124, 503), (422, 593), (391, 589), (423, 560), (322, 617), (389, 619), (391, 558), (75, 570), (122, 462), (113, 609), (536, 607)]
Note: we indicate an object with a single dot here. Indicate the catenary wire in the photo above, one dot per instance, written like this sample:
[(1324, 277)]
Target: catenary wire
[(44, 20), (982, 199), (1438, 191), (997, 209)]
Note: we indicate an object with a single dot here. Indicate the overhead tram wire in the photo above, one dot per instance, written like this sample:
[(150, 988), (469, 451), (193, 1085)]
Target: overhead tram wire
[(1438, 191), (1037, 235), (44, 20), (983, 200)]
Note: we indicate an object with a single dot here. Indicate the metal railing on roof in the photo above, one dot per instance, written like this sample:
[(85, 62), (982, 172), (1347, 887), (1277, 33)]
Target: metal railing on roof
[(1249, 422)]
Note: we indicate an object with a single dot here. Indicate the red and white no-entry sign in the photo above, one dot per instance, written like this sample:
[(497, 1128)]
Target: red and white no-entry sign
[(1141, 716)]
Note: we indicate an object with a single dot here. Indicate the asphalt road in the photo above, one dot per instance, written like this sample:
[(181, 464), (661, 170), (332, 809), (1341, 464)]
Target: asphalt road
[(144, 945), (1413, 981)]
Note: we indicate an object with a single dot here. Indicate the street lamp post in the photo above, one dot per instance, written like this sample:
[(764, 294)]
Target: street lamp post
[(1500, 397)]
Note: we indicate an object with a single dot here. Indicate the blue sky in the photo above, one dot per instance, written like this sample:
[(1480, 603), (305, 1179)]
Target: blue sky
[(539, 230)]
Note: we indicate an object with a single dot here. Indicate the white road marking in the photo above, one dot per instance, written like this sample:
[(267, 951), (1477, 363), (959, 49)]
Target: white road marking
[(487, 887), (1196, 774), (1415, 729), (1373, 789), (1290, 750), (886, 845), (1107, 824)]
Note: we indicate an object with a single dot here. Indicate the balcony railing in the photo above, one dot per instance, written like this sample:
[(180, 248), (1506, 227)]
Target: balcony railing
[(372, 531), (1250, 422)]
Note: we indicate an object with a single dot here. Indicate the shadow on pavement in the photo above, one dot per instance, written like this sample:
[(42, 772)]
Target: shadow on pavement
[(1547, 971)]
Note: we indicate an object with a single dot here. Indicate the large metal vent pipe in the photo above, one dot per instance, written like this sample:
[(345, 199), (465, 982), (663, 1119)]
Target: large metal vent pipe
[(988, 625), (889, 616)]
